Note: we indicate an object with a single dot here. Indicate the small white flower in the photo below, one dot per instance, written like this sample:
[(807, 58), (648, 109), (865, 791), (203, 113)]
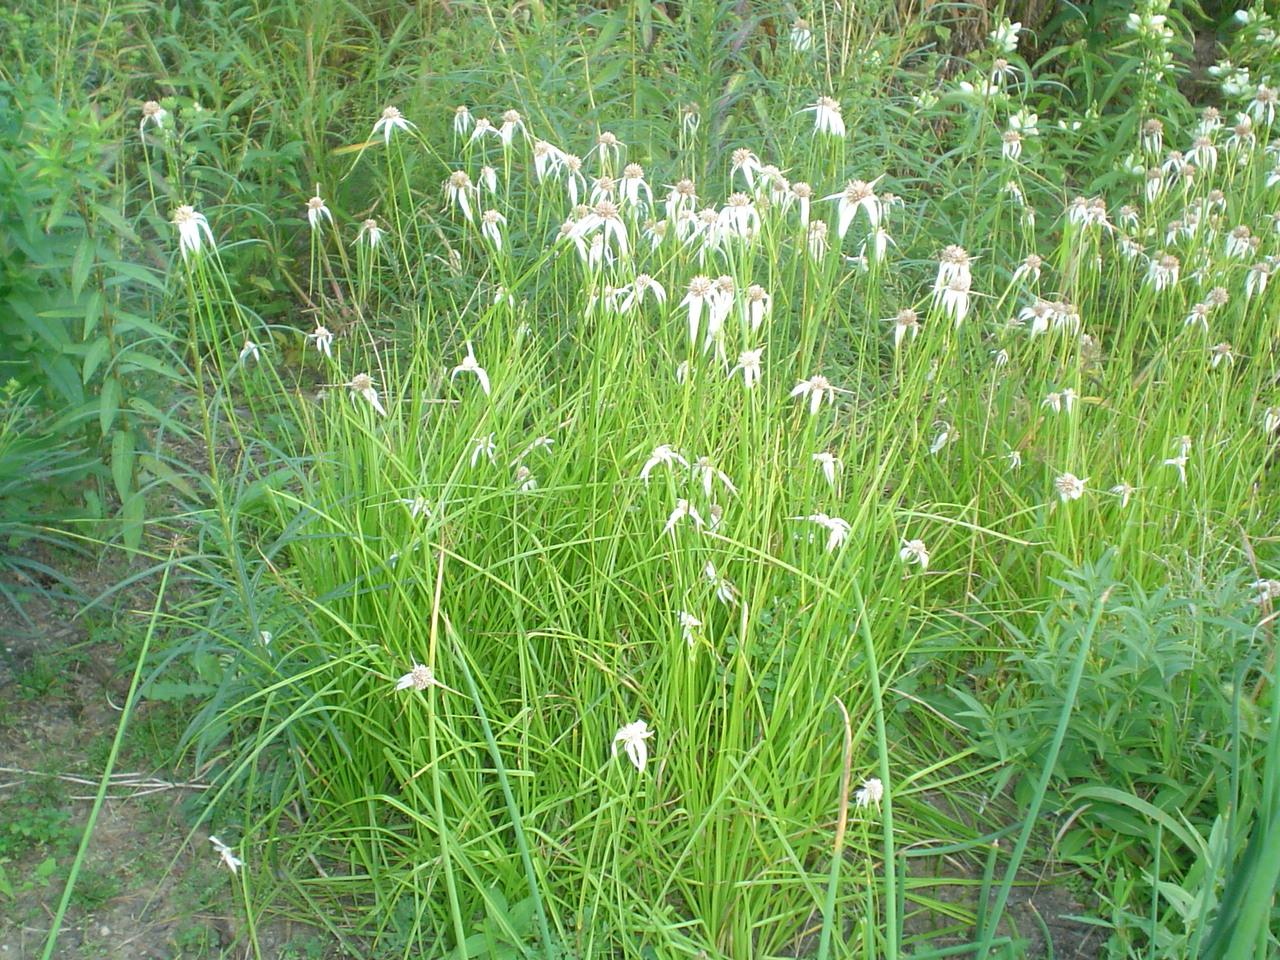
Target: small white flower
[(726, 592), (469, 364), (483, 446), (749, 364), (662, 453), (153, 114), (265, 637), (746, 161), (418, 506), (459, 190), (250, 351), (462, 120), (831, 466), (826, 116), (706, 471), (525, 479), (857, 195), (1015, 459), (232, 862), (801, 36), (323, 339), (1271, 420), (953, 297), (370, 233), (946, 434), (869, 794), (683, 509), (512, 123), (1124, 491), (914, 551), (837, 529), (317, 212), (816, 388), (391, 119), (362, 385), (193, 230), (1180, 462), (1005, 37), (1268, 590), (689, 626), (419, 678), (1069, 486), (490, 229), (633, 737), (701, 292)]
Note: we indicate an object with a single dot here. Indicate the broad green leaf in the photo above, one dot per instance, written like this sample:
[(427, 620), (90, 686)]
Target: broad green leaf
[(122, 462), (108, 403)]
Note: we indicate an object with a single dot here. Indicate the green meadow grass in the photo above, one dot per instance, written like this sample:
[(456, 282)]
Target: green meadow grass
[(918, 533)]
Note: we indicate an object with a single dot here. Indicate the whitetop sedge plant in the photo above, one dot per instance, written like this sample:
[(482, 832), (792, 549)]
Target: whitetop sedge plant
[(728, 457)]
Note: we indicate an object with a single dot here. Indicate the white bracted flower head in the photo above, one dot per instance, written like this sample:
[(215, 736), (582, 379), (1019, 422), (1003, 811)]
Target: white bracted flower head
[(689, 626), (857, 195), (1268, 590), (1004, 38), (837, 529), (725, 591), (701, 290), (317, 212), (370, 233), (1180, 462), (153, 114), (759, 303), (462, 120), (749, 364), (229, 859), (801, 36), (1124, 491), (869, 794), (683, 509), (816, 388), (483, 127), (362, 386), (831, 466), (483, 447), (632, 737), (826, 116), (662, 453), (746, 161), (1069, 486), (907, 321), (458, 190), (914, 551), (323, 339), (953, 297), (705, 470), (512, 123), (469, 364), (391, 119), (193, 230), (490, 228), (419, 678), (250, 351)]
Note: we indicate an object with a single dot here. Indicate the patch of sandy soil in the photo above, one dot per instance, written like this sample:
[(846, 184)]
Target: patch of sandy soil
[(151, 887)]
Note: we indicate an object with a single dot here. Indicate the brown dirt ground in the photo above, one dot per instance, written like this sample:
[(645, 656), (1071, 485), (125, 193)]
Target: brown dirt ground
[(150, 887)]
